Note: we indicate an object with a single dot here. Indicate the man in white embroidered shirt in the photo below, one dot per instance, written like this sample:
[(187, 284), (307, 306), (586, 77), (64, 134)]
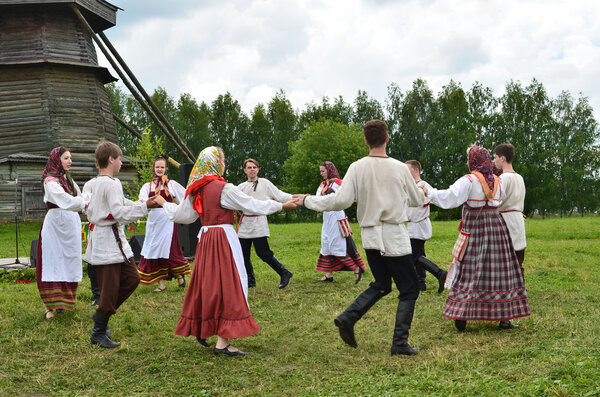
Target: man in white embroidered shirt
[(383, 188)]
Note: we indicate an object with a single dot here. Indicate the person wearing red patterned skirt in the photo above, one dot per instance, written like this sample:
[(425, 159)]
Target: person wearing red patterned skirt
[(216, 299), (338, 253), (161, 256), (487, 282)]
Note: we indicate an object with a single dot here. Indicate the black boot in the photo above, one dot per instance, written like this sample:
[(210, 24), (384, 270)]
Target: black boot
[(345, 321), (404, 316), (432, 268), (284, 274), (94, 284), (421, 276), (99, 336)]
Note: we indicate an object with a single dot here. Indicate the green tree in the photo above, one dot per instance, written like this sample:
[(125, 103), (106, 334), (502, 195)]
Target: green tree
[(325, 140), (142, 159), (366, 108), (282, 119), (192, 123)]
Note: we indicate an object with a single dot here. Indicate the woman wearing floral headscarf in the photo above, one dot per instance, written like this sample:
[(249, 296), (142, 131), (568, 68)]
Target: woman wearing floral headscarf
[(161, 256), (58, 261), (488, 281), (216, 300), (338, 253)]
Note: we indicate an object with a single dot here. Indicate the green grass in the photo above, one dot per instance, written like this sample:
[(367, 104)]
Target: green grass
[(298, 351)]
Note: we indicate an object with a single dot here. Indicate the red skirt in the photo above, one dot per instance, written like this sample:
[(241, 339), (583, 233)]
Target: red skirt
[(214, 302), (54, 294), (489, 282), (152, 270)]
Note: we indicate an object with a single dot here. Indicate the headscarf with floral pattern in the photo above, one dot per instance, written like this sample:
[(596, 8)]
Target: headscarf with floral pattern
[(208, 167), (332, 176), (55, 169), (480, 161)]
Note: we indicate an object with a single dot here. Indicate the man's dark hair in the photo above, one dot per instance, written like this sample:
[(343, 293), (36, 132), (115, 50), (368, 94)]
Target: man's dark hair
[(251, 161), (376, 132), (507, 150)]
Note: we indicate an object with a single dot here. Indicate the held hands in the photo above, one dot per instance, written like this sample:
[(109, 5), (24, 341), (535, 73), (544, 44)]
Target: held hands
[(299, 199), (290, 205), (155, 202)]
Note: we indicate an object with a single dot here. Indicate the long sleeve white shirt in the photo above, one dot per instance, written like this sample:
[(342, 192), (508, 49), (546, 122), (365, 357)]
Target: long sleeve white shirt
[(107, 198), (466, 189), (419, 224), (263, 189), (383, 188), (512, 207), (232, 198)]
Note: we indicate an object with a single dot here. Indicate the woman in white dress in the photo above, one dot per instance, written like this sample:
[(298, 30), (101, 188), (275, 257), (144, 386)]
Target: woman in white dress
[(161, 256), (58, 262), (338, 253)]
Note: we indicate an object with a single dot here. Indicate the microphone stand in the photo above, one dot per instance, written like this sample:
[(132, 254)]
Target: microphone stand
[(17, 262)]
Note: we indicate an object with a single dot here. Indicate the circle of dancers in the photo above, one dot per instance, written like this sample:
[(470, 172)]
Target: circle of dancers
[(485, 279)]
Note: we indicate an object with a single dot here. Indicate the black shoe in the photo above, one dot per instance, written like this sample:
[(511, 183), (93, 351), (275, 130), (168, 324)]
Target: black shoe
[(405, 350), (422, 285), (285, 279), (251, 284), (225, 351), (360, 274), (95, 302), (100, 333), (460, 325), (325, 280), (346, 332), (60, 311), (507, 325), (203, 342), (181, 285)]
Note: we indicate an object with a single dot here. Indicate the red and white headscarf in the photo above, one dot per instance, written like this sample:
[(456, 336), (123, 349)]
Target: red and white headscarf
[(208, 167), (55, 169)]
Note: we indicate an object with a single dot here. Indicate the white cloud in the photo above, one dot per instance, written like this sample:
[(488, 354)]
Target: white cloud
[(312, 49)]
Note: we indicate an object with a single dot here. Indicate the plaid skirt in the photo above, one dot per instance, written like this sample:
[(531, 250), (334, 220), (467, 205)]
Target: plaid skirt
[(489, 282)]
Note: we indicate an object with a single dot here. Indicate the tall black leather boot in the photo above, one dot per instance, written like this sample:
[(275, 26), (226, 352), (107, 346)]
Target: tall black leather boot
[(404, 316), (432, 268), (99, 336), (91, 270), (284, 274), (363, 302), (421, 276)]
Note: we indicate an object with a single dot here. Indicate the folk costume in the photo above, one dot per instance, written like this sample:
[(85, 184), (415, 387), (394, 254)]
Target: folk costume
[(91, 269), (161, 256), (382, 187), (488, 283), (58, 260), (254, 229), (216, 300), (511, 208), (109, 251), (338, 253), (420, 230)]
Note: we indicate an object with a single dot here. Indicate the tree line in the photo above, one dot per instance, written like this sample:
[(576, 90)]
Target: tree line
[(556, 139)]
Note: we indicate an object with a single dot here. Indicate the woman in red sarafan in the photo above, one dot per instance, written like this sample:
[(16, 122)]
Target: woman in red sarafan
[(216, 300)]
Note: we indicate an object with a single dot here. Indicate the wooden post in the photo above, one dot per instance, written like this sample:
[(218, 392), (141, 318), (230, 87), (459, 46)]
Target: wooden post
[(175, 139)]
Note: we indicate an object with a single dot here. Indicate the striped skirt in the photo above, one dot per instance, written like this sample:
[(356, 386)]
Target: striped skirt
[(350, 262), (175, 266), (54, 294), (489, 282)]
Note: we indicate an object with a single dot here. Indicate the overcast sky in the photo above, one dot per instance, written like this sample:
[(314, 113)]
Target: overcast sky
[(312, 48)]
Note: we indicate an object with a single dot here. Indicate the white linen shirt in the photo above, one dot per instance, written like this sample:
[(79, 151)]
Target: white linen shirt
[(258, 226), (466, 189), (512, 207), (419, 224), (383, 188), (107, 198)]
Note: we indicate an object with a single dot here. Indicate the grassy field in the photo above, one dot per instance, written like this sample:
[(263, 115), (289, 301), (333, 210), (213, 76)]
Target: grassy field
[(298, 351)]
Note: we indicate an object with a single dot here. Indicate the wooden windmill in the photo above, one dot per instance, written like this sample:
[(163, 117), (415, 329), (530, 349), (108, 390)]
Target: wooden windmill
[(52, 94)]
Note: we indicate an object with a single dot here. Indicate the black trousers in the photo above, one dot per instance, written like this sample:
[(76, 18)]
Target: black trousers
[(261, 246), (418, 248), (400, 269)]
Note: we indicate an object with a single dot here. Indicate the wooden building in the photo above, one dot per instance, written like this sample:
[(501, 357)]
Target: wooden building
[(51, 94)]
